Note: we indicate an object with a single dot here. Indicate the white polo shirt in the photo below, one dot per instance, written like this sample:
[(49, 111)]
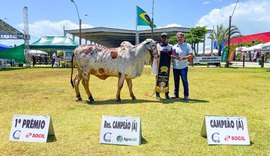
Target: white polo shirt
[(181, 50)]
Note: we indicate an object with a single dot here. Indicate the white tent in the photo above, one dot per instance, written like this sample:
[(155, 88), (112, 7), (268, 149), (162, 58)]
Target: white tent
[(255, 47), (266, 45), (37, 52), (240, 49)]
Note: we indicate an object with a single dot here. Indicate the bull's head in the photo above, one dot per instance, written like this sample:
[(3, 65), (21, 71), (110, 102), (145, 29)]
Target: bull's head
[(151, 46)]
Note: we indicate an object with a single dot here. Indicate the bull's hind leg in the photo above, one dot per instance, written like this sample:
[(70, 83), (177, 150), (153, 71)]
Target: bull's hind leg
[(121, 78), (129, 83), (76, 81), (85, 82)]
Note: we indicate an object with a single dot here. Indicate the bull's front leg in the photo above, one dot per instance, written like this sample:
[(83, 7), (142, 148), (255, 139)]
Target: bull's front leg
[(121, 78), (129, 83)]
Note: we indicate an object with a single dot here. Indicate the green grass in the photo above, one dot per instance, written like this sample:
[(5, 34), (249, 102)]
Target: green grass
[(169, 127)]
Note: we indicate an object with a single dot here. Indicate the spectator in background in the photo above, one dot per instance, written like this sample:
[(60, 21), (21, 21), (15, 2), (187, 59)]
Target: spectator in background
[(54, 58)]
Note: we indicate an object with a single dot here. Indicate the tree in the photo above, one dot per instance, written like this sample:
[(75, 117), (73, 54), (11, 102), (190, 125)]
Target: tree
[(194, 37), (220, 35)]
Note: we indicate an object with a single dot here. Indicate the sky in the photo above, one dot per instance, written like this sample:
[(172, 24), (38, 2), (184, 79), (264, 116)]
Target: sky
[(50, 17)]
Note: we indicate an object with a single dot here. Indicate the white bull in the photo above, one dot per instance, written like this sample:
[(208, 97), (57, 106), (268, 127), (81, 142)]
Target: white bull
[(125, 62)]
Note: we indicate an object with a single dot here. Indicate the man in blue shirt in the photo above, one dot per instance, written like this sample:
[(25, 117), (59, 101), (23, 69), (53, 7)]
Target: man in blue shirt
[(182, 52)]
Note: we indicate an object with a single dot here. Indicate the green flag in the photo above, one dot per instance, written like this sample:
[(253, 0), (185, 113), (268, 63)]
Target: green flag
[(143, 18)]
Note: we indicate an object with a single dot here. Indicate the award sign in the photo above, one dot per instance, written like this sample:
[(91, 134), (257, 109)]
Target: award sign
[(30, 128), (120, 130), (163, 72), (227, 130)]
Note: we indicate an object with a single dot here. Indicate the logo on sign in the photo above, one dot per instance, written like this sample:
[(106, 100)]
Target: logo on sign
[(107, 137), (119, 138), (34, 135), (17, 134), (215, 137), (130, 139), (234, 138)]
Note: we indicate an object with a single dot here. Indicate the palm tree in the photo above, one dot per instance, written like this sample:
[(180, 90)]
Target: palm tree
[(220, 35)]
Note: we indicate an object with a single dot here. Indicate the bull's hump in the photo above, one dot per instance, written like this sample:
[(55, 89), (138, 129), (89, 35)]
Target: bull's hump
[(88, 49)]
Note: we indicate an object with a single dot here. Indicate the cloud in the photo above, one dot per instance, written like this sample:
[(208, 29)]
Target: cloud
[(250, 17), (173, 25), (206, 2), (46, 28)]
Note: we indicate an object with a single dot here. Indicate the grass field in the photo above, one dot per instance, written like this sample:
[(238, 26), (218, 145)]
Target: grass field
[(169, 127)]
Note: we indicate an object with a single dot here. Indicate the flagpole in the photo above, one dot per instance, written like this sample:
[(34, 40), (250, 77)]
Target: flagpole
[(136, 35), (152, 21)]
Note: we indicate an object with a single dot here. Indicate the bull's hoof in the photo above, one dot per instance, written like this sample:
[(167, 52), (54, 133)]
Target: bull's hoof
[(133, 98), (79, 98), (118, 100), (91, 101)]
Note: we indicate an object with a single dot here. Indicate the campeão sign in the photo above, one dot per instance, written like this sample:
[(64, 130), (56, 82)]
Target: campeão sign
[(120, 130), (228, 130)]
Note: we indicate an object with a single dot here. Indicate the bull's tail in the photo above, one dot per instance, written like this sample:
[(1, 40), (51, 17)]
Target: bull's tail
[(71, 80)]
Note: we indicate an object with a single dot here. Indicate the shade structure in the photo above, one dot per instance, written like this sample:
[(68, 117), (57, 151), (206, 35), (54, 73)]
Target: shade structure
[(37, 52), (264, 37), (54, 42)]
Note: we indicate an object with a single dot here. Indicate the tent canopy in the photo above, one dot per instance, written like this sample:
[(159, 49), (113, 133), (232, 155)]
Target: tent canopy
[(37, 52), (54, 42), (255, 47), (16, 53)]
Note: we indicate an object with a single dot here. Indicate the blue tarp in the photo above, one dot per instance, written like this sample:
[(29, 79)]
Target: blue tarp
[(3, 47)]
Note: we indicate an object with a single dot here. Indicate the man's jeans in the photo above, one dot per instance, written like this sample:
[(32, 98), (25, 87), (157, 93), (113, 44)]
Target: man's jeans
[(177, 73)]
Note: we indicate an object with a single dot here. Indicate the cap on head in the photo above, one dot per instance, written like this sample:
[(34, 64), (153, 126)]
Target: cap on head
[(164, 34), (180, 33)]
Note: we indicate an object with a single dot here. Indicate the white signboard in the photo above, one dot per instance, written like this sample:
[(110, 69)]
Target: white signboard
[(120, 130), (30, 128), (225, 130), (207, 59)]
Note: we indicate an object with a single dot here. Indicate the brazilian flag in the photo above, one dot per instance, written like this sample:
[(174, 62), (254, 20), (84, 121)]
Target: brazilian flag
[(143, 18)]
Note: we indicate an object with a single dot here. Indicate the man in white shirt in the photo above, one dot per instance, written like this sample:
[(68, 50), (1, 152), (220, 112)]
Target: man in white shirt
[(182, 52), (54, 58)]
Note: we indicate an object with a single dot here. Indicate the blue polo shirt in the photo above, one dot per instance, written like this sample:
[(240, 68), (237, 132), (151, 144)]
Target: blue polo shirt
[(181, 50)]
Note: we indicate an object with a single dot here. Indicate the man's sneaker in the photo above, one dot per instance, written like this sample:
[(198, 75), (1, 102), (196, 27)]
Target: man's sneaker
[(158, 96), (185, 98), (175, 97), (167, 96)]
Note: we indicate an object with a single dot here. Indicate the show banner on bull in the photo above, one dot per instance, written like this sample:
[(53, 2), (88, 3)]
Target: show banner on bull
[(30, 128), (229, 130), (120, 130), (163, 72)]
